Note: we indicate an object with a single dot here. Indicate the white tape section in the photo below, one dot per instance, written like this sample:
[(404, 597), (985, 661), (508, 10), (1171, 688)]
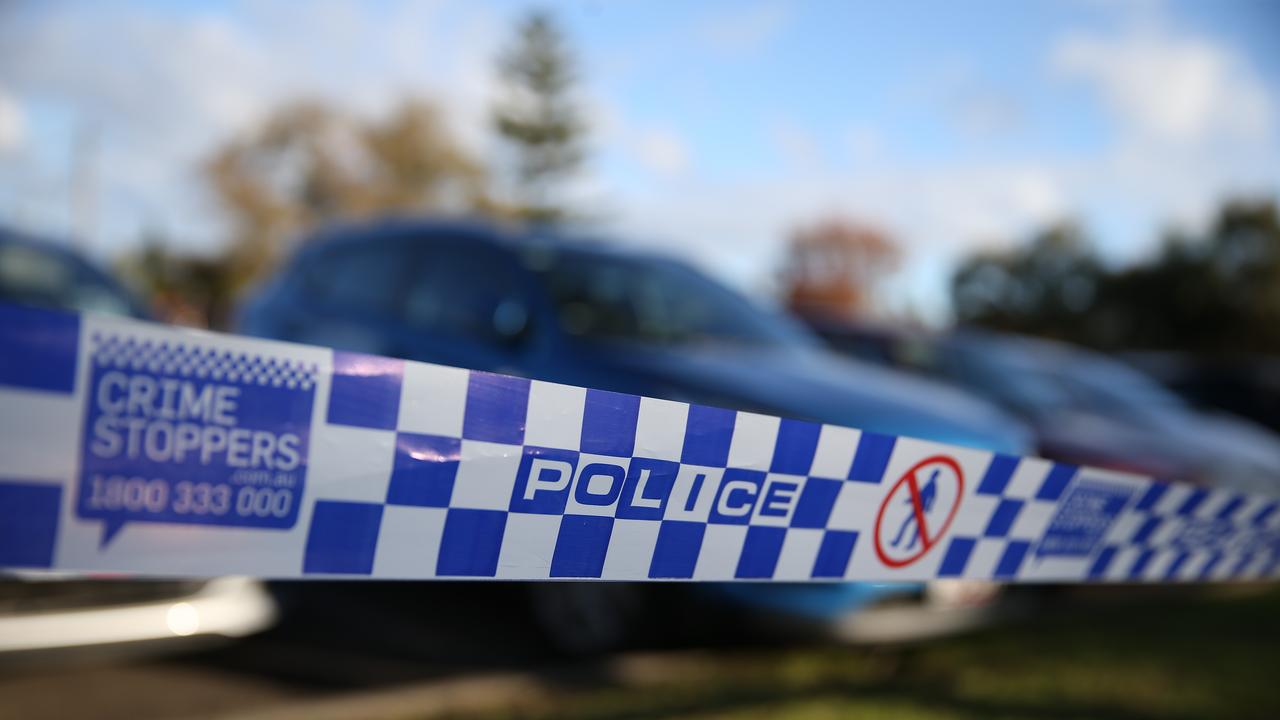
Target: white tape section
[(140, 448)]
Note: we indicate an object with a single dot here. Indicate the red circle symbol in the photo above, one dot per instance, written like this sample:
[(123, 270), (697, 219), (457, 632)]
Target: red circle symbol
[(927, 539)]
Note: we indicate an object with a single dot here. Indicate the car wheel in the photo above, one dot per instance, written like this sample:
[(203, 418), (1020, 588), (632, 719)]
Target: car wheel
[(587, 618)]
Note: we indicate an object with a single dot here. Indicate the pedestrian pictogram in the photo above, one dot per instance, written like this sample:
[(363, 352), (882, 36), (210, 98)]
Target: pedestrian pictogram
[(918, 510)]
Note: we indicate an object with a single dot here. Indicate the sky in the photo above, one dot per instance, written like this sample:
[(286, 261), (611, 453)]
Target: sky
[(717, 127)]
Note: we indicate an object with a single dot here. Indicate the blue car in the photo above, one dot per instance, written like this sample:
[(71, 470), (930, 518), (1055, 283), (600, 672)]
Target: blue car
[(544, 307)]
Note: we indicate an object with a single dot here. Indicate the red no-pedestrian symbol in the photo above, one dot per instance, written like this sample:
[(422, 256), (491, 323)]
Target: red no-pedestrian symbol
[(918, 510)]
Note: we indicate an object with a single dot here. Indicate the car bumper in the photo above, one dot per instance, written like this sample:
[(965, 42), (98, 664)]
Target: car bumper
[(226, 607)]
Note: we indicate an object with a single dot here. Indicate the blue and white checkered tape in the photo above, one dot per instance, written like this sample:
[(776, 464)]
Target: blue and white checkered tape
[(140, 448)]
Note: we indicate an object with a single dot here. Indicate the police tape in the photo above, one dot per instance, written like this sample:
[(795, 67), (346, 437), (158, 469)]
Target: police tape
[(134, 447)]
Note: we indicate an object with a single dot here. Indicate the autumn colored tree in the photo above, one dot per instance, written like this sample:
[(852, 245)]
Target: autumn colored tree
[(310, 164), (833, 266)]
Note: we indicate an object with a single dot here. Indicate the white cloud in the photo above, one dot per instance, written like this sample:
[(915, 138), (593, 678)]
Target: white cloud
[(12, 123), (746, 29), (663, 152), (1170, 89), (797, 146), (161, 89)]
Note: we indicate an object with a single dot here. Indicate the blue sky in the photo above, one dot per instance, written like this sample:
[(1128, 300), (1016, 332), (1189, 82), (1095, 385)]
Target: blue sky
[(717, 127)]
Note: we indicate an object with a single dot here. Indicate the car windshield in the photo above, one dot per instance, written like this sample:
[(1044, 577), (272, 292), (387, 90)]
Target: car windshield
[(653, 301)]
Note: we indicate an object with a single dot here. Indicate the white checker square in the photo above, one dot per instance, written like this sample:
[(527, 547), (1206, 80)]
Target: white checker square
[(408, 542), (486, 475), (984, 558), (660, 429), (693, 493), (754, 437), (855, 507), (974, 515), (1159, 565), (1212, 505), (799, 553), (1123, 529), (1027, 478), (1250, 508), (777, 500), (1033, 520), (606, 479), (834, 455), (350, 463), (433, 399), (38, 432), (554, 418), (631, 548), (721, 550), (528, 544), (1172, 499), (1167, 531), (1122, 563)]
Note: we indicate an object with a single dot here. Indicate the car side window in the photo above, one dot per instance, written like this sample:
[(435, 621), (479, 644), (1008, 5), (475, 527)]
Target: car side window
[(361, 278), (466, 291)]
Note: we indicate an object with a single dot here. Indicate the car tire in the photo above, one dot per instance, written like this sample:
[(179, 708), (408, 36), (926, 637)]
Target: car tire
[(587, 618)]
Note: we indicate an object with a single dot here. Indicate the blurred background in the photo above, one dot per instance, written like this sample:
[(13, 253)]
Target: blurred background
[(1034, 228)]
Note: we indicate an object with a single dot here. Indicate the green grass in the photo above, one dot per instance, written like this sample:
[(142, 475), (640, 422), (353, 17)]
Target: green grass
[(1209, 654)]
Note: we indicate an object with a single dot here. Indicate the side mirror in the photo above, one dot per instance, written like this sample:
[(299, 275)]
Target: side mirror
[(511, 323)]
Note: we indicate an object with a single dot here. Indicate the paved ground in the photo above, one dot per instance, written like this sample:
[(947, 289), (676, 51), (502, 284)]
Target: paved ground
[(388, 650)]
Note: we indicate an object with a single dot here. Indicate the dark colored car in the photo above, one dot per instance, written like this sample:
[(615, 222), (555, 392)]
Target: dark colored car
[(1247, 386), (472, 296), (40, 273), (44, 612), (1088, 408)]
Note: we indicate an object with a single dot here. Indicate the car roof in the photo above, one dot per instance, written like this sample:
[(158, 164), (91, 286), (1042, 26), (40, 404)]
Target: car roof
[(506, 236)]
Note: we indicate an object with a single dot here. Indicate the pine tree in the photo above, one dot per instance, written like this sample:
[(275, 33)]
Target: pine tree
[(538, 118)]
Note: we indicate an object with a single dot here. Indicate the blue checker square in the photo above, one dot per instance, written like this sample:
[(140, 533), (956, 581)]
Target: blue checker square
[(797, 442), (998, 474), (1011, 560), (543, 480), (1151, 496), (1193, 501), (707, 436), (497, 407), (1002, 519), (365, 391), (957, 557), (471, 542), (675, 554), (581, 546), (424, 470), (39, 348), (609, 423), (834, 553), (647, 489), (760, 553), (342, 538), (871, 457), (28, 523), (1056, 481), (1140, 564), (1100, 564), (813, 509)]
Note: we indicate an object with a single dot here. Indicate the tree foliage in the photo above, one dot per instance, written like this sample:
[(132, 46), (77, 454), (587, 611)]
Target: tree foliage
[(833, 266), (538, 118), (1218, 292), (310, 164)]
